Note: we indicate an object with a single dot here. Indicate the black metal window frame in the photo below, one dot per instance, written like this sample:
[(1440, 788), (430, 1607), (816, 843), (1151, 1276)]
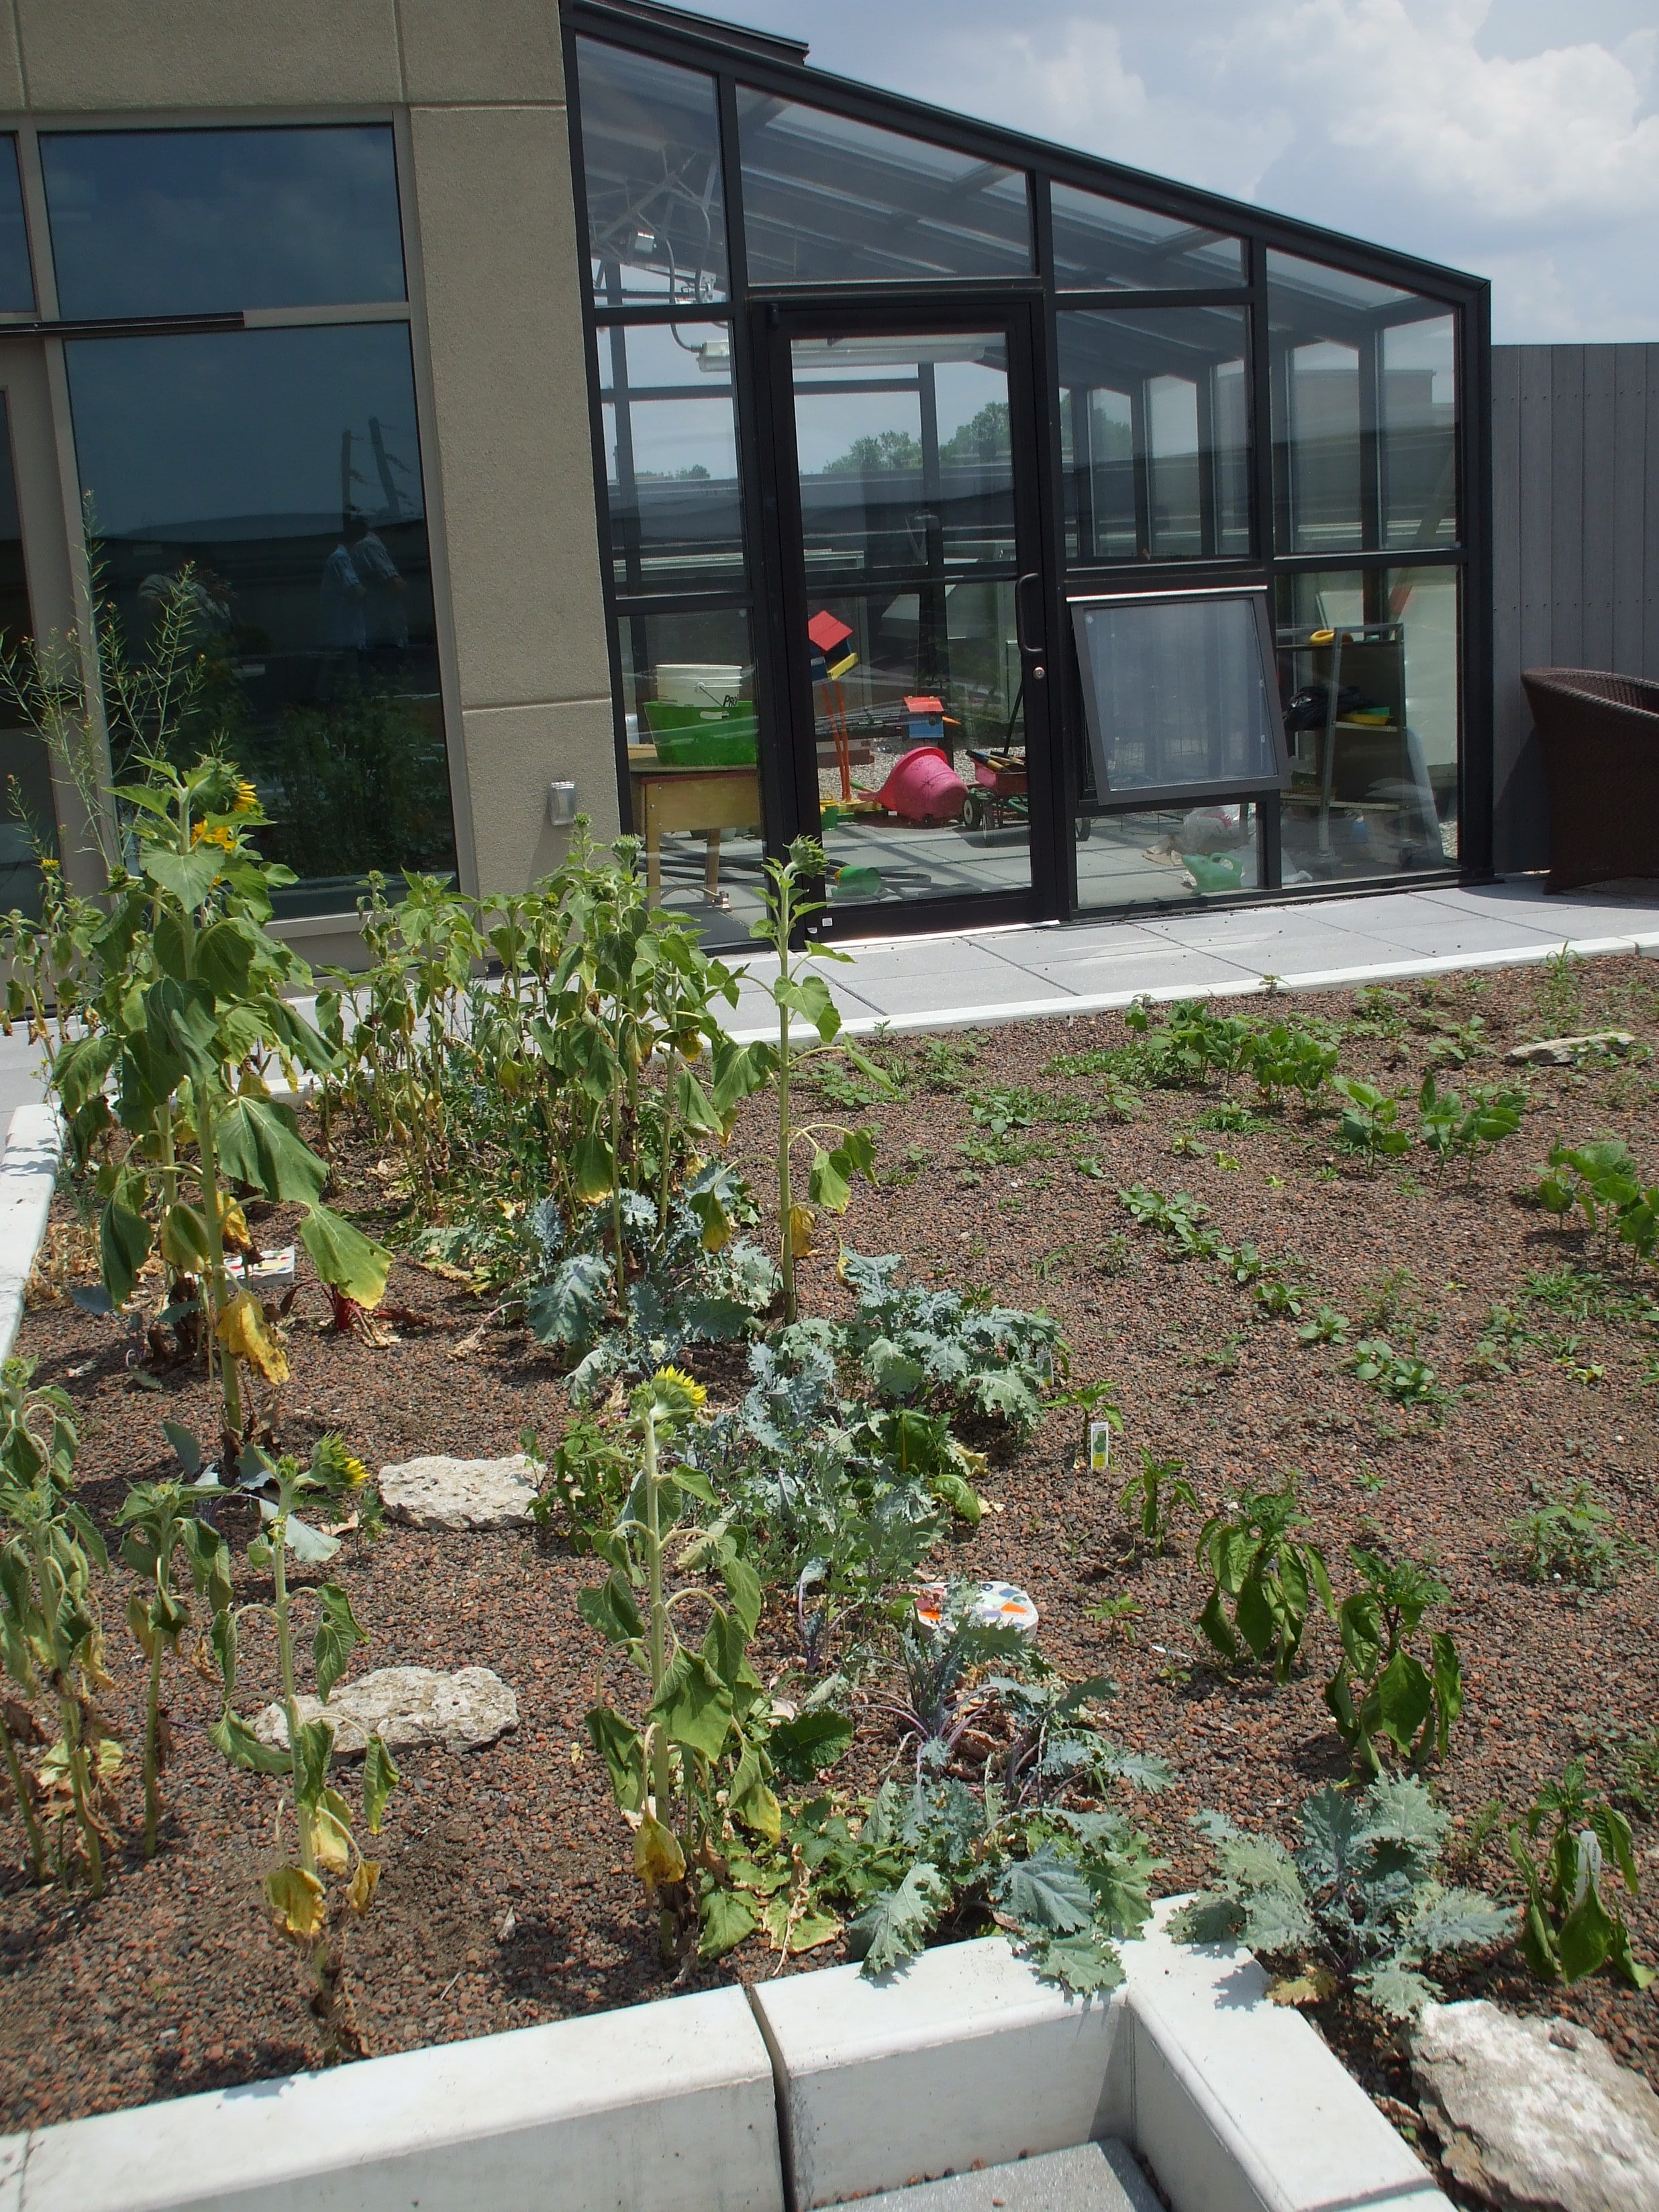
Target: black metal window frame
[(733, 56)]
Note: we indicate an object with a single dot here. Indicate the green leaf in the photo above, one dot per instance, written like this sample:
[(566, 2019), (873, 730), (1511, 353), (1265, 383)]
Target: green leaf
[(1404, 1695), (1044, 1895), (381, 1778), (1084, 1963), (610, 1607), (1395, 1987), (694, 1705), (724, 1921), (809, 997), (592, 1169), (620, 1747), (826, 1185), (896, 1925), (1586, 1936), (895, 1373), (188, 877), (313, 1743), (232, 1736), (802, 1747), (1215, 1626), (123, 1242), (338, 1635), (344, 1256), (225, 954), (568, 1310), (258, 1145), (742, 1587), (181, 1015)]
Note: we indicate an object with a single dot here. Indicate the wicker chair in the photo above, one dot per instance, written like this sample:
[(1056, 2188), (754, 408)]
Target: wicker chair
[(1600, 736)]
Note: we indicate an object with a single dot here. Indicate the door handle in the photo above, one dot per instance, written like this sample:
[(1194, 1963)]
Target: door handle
[(1027, 644)]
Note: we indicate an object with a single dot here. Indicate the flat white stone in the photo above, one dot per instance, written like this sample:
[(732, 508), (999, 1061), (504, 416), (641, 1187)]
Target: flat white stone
[(406, 1706), (445, 1493), (1536, 2113), (1563, 1051)]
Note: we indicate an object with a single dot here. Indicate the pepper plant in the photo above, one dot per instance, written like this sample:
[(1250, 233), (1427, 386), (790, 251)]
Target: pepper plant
[(1383, 1694), (329, 1881), (1570, 1927), (1260, 1562), (50, 1638), (695, 1758)]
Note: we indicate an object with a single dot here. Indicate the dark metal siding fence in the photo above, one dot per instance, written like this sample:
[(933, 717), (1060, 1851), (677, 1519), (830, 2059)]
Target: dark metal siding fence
[(1575, 546)]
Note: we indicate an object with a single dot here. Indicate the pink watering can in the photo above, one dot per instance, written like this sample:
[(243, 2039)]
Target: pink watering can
[(924, 787)]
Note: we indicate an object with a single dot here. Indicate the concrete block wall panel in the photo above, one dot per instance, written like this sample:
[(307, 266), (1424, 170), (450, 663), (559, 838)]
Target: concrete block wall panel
[(506, 51), (669, 2104), (1575, 547), (207, 53), (513, 754)]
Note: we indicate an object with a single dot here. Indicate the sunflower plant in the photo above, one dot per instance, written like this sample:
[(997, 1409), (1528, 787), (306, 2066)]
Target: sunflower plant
[(327, 1882), (691, 1772), (166, 1095)]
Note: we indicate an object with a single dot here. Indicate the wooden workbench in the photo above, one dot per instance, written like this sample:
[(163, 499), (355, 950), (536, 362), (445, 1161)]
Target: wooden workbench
[(703, 801)]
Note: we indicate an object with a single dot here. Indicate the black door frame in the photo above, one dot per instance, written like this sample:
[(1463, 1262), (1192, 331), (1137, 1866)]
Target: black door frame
[(788, 779)]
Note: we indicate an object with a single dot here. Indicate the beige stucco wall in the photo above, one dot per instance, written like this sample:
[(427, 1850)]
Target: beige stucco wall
[(495, 287)]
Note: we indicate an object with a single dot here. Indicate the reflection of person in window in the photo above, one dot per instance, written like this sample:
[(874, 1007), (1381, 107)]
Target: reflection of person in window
[(343, 601), (386, 609)]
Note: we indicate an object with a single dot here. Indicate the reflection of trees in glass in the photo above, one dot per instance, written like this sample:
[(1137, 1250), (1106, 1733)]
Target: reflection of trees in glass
[(983, 437), (360, 782)]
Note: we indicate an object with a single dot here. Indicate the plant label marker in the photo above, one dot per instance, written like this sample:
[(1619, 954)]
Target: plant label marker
[(1100, 1447)]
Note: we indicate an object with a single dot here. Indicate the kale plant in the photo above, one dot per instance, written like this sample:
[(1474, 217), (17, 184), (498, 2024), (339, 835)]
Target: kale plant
[(939, 1349), (691, 1280), (1357, 1905)]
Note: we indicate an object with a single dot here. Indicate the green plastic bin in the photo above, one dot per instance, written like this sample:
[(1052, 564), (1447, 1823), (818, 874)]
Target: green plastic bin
[(703, 737)]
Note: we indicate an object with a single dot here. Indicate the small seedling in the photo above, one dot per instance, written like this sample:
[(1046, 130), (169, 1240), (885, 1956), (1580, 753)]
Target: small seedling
[(1152, 1495), (1571, 1535), (1382, 1694), (1120, 1612)]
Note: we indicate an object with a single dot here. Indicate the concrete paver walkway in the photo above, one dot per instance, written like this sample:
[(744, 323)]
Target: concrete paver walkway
[(1009, 975)]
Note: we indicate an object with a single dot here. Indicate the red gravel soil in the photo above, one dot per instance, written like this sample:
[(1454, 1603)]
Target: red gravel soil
[(508, 1896)]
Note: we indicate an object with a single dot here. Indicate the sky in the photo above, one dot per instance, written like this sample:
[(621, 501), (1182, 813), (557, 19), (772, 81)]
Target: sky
[(1519, 139)]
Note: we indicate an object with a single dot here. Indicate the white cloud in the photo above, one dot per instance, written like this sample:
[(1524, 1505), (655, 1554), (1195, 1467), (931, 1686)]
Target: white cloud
[(1490, 135)]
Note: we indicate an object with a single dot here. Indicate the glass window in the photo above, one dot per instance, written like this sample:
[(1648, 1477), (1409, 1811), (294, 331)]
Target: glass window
[(694, 762), (1178, 694), (827, 200), (906, 465), (671, 455), (1155, 433), (1368, 674), (1172, 853), (651, 158), (1364, 412), (1420, 434), (179, 222), (16, 277), (1100, 242), (283, 466), (27, 815)]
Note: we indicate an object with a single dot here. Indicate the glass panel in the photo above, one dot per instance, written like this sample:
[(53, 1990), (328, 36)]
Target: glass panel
[(27, 813), (1156, 433), (1175, 852), (285, 465), (694, 764), (1175, 694), (16, 277), (827, 200), (650, 162), (905, 463), (1368, 672), (1419, 434), (1100, 242), (671, 454), (919, 727), (179, 222), (1363, 374)]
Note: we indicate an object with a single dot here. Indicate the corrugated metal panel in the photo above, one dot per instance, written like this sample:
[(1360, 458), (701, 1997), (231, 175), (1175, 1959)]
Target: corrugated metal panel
[(1576, 545)]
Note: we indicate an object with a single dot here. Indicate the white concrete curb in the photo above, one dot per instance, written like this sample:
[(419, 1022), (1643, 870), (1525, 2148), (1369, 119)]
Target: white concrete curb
[(681, 2106), (28, 1176)]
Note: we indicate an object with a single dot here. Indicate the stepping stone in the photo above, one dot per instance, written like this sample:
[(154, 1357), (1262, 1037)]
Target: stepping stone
[(406, 1706), (1095, 2177), (444, 1493), (1535, 2113), (1562, 1052)]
